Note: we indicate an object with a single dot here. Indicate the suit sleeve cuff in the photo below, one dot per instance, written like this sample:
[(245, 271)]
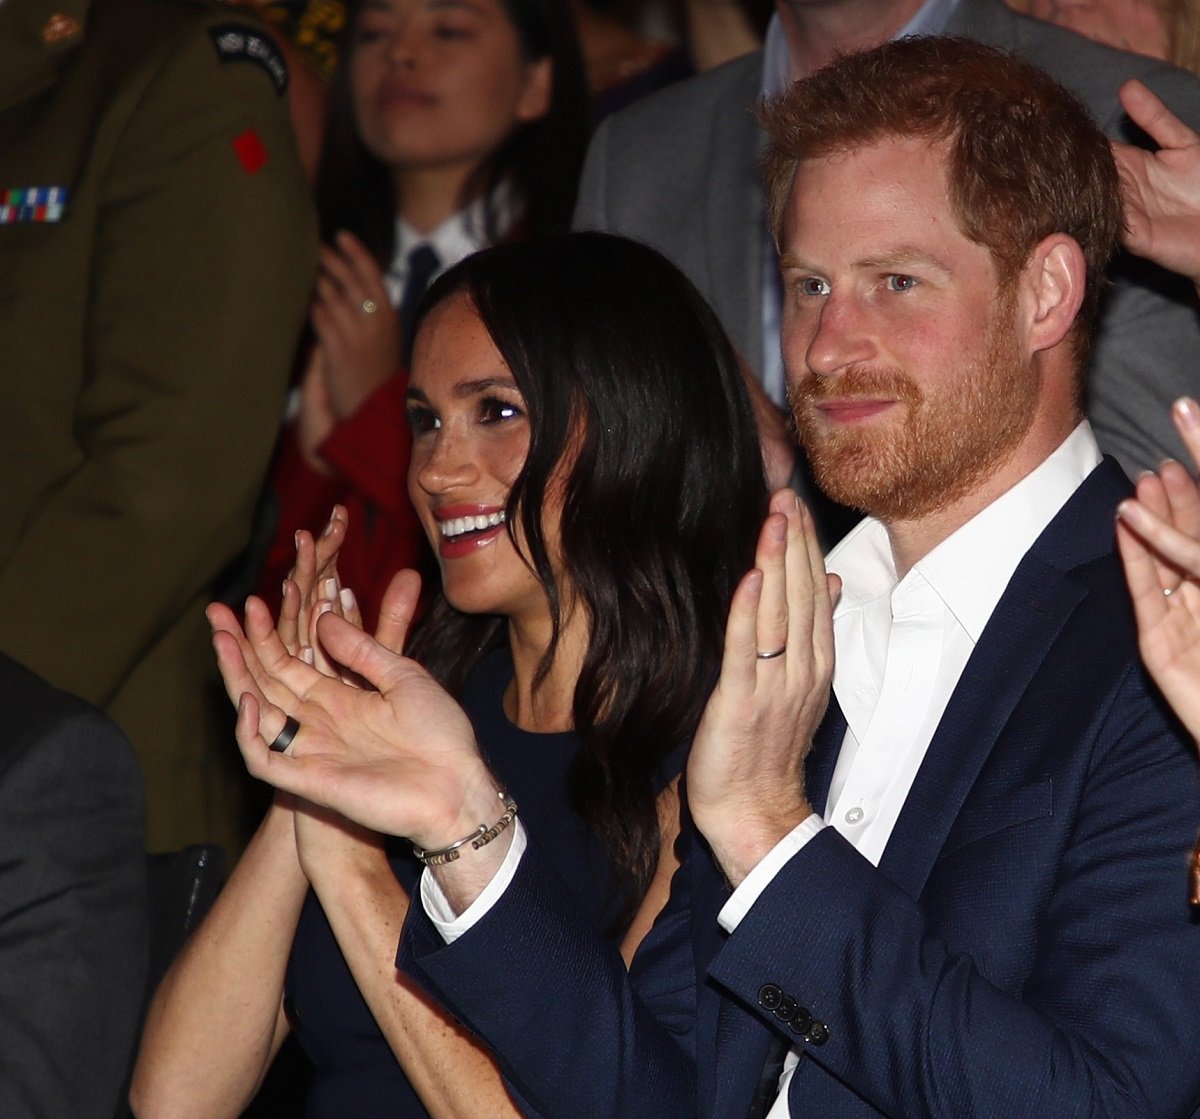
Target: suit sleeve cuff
[(760, 877), (438, 910)]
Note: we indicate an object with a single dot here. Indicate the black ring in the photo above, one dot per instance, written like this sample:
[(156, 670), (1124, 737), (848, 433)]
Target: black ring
[(291, 728)]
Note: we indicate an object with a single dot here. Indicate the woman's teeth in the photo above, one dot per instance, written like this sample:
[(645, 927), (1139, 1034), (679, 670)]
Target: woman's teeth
[(460, 525)]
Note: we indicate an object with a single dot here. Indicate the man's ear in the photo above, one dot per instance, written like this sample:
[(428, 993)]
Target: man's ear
[(1053, 281)]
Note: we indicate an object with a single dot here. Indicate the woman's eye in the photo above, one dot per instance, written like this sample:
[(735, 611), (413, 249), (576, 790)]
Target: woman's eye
[(368, 34), (449, 32), (812, 285), (492, 410), (900, 282), (422, 420)]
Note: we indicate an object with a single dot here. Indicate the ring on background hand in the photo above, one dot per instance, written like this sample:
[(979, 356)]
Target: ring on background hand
[(369, 306), (773, 654), (1168, 591), (291, 728)]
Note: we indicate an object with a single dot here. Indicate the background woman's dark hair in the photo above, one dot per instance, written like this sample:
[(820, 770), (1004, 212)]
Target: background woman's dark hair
[(542, 158), (624, 367)]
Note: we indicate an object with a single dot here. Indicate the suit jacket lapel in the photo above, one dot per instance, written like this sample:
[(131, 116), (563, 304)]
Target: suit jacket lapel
[(1027, 620)]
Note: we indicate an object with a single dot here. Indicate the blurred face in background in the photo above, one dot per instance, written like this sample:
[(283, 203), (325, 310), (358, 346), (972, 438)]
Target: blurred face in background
[(441, 84)]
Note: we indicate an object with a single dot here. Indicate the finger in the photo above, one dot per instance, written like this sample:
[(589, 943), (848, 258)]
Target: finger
[(320, 659), (283, 678), (1169, 552), (231, 663), (349, 607), (363, 264), (336, 270), (1186, 414), (350, 647), (1148, 112), (771, 559), (739, 664), (289, 612), (330, 541), (254, 720), (1141, 574), (397, 610), (1183, 498)]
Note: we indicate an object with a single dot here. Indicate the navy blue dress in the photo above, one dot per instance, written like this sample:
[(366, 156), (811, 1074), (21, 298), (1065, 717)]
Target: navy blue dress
[(356, 1073)]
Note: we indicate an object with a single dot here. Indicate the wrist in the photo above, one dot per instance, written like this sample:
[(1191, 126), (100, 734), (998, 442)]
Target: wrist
[(741, 840)]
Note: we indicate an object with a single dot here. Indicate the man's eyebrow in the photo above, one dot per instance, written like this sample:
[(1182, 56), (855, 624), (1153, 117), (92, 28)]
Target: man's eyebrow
[(895, 259)]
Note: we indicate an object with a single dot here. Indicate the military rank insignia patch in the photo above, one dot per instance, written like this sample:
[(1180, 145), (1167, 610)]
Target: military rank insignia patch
[(235, 42), (33, 204)]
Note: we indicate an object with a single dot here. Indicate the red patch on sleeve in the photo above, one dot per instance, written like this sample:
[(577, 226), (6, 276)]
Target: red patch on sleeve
[(251, 153)]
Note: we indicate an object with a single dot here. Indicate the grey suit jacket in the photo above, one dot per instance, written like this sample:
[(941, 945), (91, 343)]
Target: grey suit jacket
[(72, 903), (679, 171)]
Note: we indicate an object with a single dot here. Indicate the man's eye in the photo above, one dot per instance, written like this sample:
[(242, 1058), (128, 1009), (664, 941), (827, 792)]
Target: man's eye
[(900, 282), (811, 285)]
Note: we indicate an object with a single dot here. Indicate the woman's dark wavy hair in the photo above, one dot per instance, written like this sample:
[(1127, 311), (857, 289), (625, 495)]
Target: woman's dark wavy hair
[(628, 376), (542, 158)]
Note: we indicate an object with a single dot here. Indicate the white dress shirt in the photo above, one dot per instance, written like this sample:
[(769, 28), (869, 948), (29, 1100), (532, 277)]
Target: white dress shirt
[(900, 649), (460, 235)]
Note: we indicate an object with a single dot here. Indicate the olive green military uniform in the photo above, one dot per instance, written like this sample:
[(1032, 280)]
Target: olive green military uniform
[(157, 245)]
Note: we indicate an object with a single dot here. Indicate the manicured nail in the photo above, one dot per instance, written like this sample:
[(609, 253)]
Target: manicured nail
[(329, 589), (346, 595), (328, 527), (1188, 411), (323, 607), (296, 538), (306, 654)]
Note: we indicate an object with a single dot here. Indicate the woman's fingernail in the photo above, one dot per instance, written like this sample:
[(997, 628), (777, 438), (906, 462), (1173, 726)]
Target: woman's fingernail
[(306, 654), (328, 527), (346, 595), (1188, 410), (329, 589)]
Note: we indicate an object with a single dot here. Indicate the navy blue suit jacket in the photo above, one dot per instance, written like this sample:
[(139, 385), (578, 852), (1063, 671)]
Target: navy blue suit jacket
[(1025, 946)]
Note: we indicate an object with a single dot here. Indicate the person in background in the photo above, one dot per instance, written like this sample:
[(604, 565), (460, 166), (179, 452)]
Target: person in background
[(1159, 530), (1164, 29), (586, 466), (72, 903), (451, 127), (156, 253)]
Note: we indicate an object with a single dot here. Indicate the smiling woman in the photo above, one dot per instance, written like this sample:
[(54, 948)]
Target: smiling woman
[(586, 465), (454, 124)]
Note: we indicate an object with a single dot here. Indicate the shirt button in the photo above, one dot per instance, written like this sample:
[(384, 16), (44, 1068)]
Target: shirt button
[(854, 816)]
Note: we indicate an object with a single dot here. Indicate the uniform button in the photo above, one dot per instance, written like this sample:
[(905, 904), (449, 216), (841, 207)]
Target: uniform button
[(801, 1020), (854, 816), (818, 1033), (786, 1010), (59, 28), (770, 997)]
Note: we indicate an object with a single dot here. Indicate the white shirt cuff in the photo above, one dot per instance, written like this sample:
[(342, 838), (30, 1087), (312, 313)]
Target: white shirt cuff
[(438, 910), (760, 877)]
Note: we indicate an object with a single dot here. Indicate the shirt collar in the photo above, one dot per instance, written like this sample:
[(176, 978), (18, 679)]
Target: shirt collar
[(971, 568), (460, 235), (930, 19)]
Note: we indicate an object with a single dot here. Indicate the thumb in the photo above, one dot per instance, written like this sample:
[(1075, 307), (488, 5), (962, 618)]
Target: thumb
[(397, 609), (359, 652)]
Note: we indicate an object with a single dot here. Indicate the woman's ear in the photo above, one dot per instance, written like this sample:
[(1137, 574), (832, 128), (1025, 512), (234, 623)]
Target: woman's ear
[(1054, 277), (534, 102)]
